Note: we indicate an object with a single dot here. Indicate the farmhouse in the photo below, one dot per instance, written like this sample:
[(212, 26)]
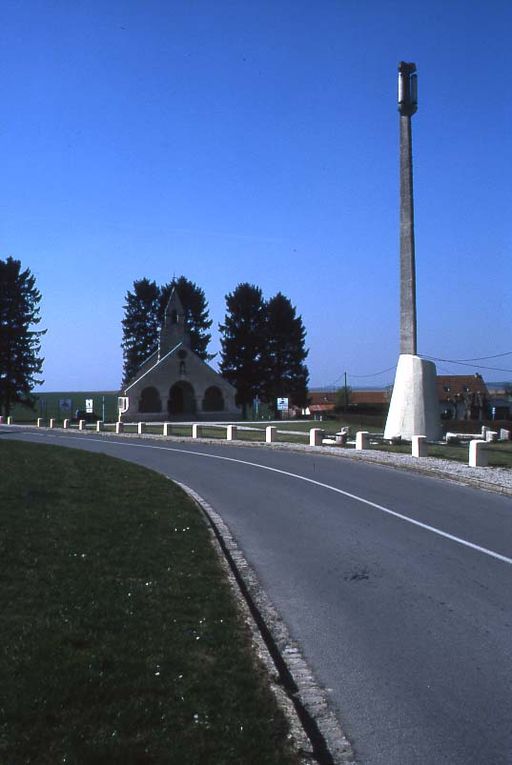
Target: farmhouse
[(174, 383)]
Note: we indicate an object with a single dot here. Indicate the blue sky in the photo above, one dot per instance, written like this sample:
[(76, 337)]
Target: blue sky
[(257, 140)]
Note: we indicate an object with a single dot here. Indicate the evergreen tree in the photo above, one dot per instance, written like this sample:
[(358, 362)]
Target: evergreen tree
[(242, 341), (20, 345), (195, 306), (140, 326), (285, 374)]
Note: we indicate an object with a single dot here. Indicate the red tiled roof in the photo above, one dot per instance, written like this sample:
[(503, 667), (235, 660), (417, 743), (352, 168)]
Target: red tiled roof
[(321, 407), (452, 385)]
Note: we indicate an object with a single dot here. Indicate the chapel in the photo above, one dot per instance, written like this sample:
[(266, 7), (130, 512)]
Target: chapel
[(174, 383)]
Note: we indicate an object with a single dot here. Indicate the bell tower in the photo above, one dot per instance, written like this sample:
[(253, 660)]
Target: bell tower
[(173, 330)]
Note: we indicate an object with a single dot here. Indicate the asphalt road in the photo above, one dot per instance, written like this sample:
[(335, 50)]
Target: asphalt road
[(399, 595)]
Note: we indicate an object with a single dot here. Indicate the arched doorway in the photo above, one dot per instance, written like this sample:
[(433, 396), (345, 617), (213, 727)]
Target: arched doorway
[(213, 400), (181, 399), (150, 400)]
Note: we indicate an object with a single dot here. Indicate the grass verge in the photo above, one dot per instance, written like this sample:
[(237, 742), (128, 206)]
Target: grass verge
[(500, 453), (120, 638)]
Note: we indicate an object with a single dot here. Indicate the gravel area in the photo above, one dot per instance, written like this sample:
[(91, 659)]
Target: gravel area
[(490, 478)]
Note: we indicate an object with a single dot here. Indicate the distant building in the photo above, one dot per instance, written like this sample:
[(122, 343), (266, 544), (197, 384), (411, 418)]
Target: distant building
[(463, 397), (174, 383)]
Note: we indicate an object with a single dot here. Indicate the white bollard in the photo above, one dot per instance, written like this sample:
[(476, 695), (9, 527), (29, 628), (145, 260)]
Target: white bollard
[(167, 429), (504, 434), (99, 426), (52, 422), (119, 427), (82, 425), (40, 422), (65, 424), (231, 432), (196, 431), (491, 435), (141, 428), (10, 420), (362, 440), (419, 446), (270, 434), (478, 455), (315, 436)]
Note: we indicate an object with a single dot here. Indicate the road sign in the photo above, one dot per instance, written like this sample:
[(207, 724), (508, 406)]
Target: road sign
[(282, 404)]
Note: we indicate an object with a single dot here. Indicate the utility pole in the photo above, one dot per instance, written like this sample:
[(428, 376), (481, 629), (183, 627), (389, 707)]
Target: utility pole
[(346, 393)]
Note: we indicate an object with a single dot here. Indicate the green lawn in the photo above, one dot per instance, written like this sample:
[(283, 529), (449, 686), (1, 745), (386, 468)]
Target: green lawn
[(120, 638)]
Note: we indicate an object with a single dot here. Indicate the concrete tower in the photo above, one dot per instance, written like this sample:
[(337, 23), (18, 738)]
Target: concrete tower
[(414, 409)]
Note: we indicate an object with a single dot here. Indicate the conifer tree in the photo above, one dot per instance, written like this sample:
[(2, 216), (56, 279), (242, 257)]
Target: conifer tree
[(242, 341), (140, 326), (284, 371), (20, 363)]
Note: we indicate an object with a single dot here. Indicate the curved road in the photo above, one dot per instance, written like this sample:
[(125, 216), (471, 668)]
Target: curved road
[(398, 587)]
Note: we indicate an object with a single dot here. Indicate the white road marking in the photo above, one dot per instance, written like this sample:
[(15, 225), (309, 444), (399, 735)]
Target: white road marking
[(327, 486)]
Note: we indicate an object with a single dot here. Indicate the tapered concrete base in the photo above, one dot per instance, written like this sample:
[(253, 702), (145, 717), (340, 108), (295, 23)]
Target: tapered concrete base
[(414, 408)]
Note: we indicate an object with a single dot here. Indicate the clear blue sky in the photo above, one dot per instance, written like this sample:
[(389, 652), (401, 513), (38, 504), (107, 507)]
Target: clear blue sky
[(257, 140)]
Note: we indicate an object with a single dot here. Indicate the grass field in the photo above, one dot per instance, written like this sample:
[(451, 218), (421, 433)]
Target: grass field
[(120, 639)]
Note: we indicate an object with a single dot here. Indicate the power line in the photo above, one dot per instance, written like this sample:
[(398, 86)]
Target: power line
[(478, 358), (373, 374), (464, 364)]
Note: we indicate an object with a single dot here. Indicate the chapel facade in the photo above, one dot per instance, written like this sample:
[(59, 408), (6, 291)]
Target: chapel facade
[(174, 383)]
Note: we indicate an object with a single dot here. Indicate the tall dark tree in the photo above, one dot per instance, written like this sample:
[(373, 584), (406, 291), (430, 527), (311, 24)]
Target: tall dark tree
[(140, 326), (195, 306), (242, 341), (285, 373), (20, 345)]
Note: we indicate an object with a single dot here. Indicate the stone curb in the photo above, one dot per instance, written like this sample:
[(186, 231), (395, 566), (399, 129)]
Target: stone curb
[(306, 699)]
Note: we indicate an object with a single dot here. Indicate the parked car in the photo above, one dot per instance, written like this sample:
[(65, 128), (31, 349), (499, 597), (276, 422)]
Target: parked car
[(81, 414)]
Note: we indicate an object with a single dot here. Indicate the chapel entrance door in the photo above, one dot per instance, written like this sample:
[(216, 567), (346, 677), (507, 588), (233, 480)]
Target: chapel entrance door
[(181, 399)]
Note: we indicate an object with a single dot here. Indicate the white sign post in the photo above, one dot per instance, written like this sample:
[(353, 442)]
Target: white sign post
[(89, 405), (282, 404)]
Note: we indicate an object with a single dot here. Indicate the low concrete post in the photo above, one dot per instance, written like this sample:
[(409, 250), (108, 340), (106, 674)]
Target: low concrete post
[(1, 419), (167, 429), (65, 424), (362, 440), (99, 426), (196, 431), (141, 428), (419, 446), (504, 434), (491, 435), (270, 434), (231, 433), (315, 436), (478, 455), (9, 421), (40, 422), (82, 425), (119, 427), (52, 422)]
